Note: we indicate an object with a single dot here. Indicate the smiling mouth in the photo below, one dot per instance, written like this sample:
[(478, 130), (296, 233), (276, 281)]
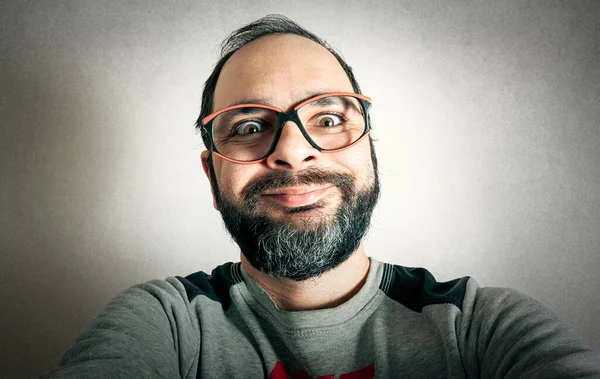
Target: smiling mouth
[(300, 198), (305, 208)]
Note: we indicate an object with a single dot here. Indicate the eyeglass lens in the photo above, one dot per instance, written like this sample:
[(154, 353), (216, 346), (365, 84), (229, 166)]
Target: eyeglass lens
[(247, 133)]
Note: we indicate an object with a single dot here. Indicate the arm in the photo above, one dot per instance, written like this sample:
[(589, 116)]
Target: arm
[(509, 335), (145, 332)]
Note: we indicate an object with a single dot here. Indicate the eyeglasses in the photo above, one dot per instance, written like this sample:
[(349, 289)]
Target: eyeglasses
[(248, 133)]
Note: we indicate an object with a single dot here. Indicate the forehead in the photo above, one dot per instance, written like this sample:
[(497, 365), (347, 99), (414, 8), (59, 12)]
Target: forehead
[(281, 70)]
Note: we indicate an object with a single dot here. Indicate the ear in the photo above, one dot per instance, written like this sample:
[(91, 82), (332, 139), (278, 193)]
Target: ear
[(204, 160)]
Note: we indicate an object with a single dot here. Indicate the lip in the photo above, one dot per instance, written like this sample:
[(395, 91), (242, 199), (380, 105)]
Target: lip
[(297, 196)]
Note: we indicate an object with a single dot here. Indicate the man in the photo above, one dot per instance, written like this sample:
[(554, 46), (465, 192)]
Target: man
[(294, 175)]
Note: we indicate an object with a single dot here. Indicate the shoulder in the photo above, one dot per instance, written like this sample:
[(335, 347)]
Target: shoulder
[(416, 287), (504, 311), (505, 333), (501, 303), (179, 290), (214, 286)]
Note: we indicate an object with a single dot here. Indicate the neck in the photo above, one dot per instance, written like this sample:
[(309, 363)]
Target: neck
[(329, 290)]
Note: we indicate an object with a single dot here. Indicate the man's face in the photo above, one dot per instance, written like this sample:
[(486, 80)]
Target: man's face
[(301, 212)]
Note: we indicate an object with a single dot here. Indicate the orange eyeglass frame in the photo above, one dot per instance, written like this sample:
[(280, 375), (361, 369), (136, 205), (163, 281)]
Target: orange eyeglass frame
[(284, 117)]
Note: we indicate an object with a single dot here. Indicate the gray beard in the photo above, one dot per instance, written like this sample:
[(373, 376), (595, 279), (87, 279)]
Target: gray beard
[(304, 251)]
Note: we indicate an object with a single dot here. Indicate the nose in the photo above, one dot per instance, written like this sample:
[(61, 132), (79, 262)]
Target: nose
[(293, 152)]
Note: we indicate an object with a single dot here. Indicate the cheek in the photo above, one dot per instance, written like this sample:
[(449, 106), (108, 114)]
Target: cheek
[(232, 178), (358, 161)]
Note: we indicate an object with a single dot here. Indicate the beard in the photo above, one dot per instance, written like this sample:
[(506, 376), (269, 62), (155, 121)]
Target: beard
[(305, 248)]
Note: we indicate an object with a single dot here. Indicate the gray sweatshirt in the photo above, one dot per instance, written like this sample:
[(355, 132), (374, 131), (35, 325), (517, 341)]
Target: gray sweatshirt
[(401, 324)]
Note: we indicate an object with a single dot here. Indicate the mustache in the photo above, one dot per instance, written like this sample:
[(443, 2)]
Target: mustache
[(282, 178)]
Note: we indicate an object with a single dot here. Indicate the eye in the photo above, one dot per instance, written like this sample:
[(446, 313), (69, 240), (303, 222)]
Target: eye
[(329, 120), (248, 127)]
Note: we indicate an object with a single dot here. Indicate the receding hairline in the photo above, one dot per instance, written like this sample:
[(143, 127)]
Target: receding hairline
[(261, 40), (250, 51)]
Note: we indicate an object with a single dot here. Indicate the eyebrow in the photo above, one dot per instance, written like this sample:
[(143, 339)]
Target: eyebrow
[(337, 101), (253, 100), (264, 101), (326, 101)]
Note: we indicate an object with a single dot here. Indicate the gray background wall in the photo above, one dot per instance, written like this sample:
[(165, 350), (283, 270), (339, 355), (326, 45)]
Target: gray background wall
[(487, 118)]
